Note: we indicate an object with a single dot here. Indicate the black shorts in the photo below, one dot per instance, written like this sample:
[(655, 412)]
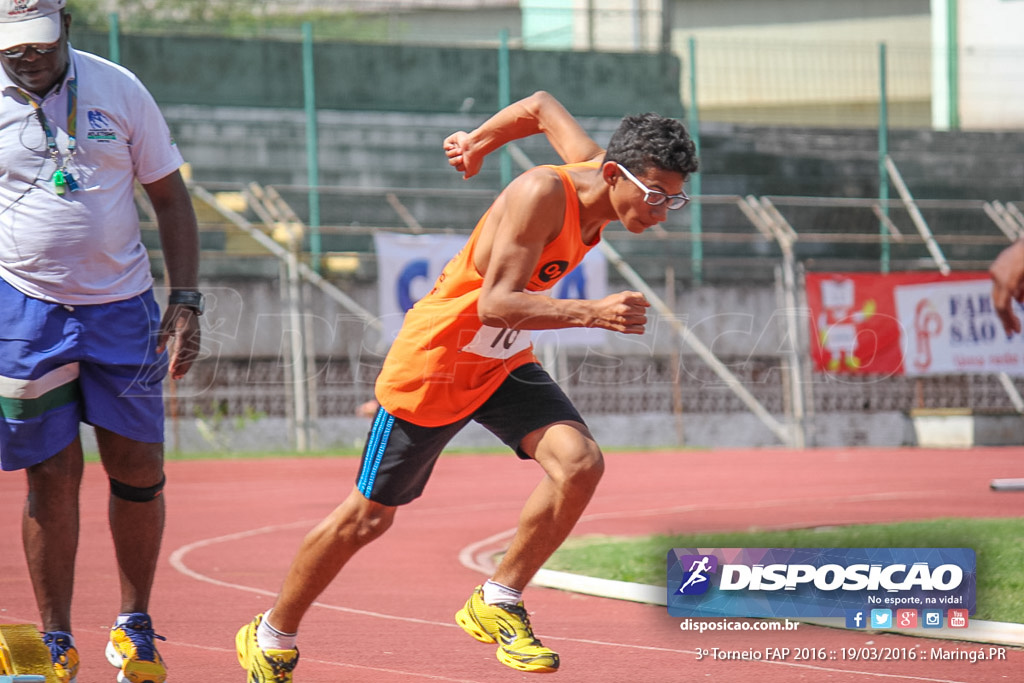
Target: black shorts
[(399, 456)]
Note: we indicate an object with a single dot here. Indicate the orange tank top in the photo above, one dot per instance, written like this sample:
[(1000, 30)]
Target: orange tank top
[(445, 363)]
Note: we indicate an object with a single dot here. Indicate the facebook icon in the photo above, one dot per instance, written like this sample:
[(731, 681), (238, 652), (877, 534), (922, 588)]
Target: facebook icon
[(856, 618)]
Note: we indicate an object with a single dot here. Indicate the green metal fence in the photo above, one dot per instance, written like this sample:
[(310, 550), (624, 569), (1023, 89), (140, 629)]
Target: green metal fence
[(288, 65)]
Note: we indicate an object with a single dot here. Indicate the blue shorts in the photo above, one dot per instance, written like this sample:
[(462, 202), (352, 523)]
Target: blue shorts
[(399, 456), (62, 365)]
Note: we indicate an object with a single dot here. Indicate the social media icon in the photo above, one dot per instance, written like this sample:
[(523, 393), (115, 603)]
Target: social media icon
[(906, 618), (931, 618), (856, 618), (881, 618), (958, 618)]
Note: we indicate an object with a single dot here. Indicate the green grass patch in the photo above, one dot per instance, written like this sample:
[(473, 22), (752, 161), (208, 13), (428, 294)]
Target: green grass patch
[(998, 543)]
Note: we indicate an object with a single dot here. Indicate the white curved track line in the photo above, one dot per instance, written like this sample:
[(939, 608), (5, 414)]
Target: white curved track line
[(177, 560), (470, 554), (477, 556)]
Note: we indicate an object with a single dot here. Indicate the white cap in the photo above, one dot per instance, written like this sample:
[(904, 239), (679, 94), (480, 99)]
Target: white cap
[(23, 22)]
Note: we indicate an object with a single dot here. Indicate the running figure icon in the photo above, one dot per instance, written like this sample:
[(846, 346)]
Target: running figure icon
[(698, 571)]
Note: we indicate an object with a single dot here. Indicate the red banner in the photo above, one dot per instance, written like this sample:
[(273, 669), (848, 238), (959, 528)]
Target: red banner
[(855, 328)]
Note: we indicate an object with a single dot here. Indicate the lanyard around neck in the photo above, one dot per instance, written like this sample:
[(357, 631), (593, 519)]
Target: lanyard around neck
[(62, 178)]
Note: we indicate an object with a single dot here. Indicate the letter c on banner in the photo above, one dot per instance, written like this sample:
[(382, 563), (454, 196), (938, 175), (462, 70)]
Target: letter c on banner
[(413, 270)]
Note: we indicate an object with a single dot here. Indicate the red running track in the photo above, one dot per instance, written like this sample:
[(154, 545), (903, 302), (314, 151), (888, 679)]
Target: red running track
[(233, 526)]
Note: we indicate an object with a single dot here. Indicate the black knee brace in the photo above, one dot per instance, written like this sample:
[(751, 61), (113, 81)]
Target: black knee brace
[(134, 493)]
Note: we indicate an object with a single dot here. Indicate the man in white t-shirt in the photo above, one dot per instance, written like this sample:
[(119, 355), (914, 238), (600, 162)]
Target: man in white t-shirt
[(81, 337)]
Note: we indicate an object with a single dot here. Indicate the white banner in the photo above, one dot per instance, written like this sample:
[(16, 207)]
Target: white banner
[(408, 265), (952, 328)]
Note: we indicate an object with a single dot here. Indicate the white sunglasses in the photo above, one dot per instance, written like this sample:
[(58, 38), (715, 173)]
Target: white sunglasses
[(657, 197)]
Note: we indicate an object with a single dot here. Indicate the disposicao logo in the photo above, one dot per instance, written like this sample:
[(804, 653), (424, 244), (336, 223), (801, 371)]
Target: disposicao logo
[(696, 579), (820, 582)]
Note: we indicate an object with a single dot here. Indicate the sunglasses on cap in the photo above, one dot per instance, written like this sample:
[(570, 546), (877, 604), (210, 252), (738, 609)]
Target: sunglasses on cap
[(18, 51)]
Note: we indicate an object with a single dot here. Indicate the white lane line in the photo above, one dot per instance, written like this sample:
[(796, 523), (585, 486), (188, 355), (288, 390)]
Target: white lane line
[(473, 556), (478, 556)]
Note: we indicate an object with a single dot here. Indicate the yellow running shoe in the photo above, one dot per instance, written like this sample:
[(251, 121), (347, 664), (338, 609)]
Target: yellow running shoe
[(131, 649), (509, 626), (264, 666), (64, 655)]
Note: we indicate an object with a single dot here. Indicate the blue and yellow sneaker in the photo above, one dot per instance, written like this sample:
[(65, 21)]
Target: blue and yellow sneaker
[(263, 666), (131, 650), (509, 626), (64, 655)]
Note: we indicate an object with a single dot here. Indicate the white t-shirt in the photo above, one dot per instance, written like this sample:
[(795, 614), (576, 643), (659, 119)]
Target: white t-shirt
[(82, 247)]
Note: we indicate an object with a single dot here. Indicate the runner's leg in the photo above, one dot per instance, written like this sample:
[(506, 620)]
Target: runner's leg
[(323, 553), (573, 465)]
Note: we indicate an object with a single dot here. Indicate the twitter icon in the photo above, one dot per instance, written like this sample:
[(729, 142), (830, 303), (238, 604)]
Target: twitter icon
[(881, 618)]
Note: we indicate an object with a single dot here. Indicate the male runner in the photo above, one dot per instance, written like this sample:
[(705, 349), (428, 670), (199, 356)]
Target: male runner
[(464, 354)]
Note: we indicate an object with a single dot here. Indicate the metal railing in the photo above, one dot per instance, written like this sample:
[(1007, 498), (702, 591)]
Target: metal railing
[(782, 229)]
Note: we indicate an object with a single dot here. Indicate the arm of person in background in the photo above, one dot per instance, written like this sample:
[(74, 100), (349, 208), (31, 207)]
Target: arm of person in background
[(179, 241), (1007, 273), (538, 113)]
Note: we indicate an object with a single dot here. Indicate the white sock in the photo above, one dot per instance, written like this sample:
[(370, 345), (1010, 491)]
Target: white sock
[(497, 594), (269, 638)]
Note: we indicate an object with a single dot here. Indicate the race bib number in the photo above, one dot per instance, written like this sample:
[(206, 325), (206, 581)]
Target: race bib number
[(498, 342)]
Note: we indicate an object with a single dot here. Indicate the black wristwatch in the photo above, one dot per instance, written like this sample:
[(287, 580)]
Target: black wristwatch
[(189, 298)]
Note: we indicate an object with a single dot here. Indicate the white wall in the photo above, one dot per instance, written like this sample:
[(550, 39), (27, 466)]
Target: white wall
[(991, 64), (804, 52), (758, 53)]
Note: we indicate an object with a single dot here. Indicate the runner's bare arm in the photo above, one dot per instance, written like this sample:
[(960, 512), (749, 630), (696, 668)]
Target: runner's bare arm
[(529, 215), (538, 113)]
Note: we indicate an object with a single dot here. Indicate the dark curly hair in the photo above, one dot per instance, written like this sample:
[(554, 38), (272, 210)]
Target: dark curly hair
[(648, 140)]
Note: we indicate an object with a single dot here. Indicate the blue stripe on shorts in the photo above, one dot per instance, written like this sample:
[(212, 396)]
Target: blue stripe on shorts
[(375, 448)]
